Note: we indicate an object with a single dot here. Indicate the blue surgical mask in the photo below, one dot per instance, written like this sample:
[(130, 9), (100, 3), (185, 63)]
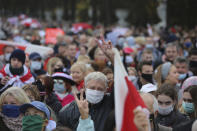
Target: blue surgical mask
[(188, 44), (36, 65), (182, 76), (188, 107), (59, 88), (150, 46), (166, 110), (11, 110)]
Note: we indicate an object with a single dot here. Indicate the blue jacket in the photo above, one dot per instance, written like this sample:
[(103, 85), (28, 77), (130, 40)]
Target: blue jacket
[(85, 125)]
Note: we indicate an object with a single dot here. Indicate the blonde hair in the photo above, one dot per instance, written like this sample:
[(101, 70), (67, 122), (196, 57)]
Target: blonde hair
[(17, 93), (33, 90), (79, 65), (89, 70), (83, 58), (158, 76), (51, 64), (133, 69)]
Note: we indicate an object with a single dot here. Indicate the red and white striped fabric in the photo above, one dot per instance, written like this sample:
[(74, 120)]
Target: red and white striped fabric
[(28, 48), (126, 98), (17, 81)]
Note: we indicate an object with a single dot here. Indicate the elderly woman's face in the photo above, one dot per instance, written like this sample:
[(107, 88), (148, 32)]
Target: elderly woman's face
[(9, 99), (96, 85), (77, 75)]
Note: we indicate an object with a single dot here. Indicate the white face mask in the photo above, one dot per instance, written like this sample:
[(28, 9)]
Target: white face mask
[(94, 96), (7, 56), (166, 110), (36, 65)]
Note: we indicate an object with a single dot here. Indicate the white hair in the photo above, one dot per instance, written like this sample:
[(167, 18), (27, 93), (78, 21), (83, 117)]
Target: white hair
[(97, 76), (155, 102), (194, 126)]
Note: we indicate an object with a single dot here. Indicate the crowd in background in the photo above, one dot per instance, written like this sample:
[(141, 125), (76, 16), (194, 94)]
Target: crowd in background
[(72, 87)]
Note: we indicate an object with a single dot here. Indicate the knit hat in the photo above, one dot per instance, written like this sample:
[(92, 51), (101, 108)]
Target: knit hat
[(19, 54)]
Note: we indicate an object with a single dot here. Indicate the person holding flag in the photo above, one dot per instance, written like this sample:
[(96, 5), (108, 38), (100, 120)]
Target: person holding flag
[(140, 118), (128, 102), (15, 73)]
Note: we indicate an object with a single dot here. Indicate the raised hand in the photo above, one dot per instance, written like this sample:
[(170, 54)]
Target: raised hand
[(140, 119), (106, 47), (82, 105)]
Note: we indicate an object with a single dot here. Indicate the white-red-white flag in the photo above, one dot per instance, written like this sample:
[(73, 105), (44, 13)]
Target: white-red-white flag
[(126, 97)]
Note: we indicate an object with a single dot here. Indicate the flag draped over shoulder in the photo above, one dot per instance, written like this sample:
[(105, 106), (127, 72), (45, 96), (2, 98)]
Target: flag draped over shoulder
[(126, 97)]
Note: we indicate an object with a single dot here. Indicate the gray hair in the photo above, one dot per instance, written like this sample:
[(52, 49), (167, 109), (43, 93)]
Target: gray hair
[(155, 102), (165, 69), (97, 76), (194, 126)]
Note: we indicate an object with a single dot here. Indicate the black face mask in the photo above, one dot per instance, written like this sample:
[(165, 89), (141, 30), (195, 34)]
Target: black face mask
[(58, 69), (16, 71), (148, 77), (193, 64)]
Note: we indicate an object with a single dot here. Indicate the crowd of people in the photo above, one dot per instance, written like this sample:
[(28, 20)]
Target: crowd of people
[(72, 87)]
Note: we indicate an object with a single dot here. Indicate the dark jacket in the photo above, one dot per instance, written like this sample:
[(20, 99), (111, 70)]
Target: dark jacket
[(171, 120), (3, 127), (67, 62), (164, 128), (69, 116), (53, 103), (186, 126)]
